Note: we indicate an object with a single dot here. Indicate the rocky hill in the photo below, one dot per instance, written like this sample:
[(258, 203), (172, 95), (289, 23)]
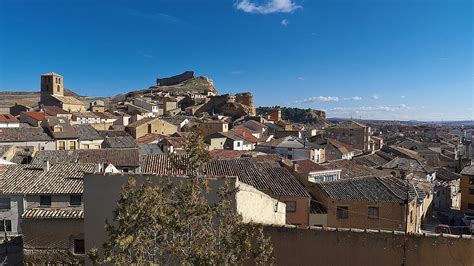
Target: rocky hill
[(305, 116)]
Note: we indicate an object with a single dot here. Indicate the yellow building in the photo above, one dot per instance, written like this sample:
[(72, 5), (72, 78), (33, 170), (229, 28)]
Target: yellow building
[(146, 126), (52, 93), (467, 189)]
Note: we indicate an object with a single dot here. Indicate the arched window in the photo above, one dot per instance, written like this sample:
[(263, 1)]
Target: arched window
[(58, 88)]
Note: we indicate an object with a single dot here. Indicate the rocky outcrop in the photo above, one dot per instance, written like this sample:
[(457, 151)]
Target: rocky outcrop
[(235, 106), (174, 80), (194, 85)]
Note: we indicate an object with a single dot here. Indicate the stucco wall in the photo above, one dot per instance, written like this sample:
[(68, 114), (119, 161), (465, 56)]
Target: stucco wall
[(326, 247), (256, 206)]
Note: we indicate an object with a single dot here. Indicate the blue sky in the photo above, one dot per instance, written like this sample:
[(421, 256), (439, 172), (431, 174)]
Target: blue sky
[(381, 59)]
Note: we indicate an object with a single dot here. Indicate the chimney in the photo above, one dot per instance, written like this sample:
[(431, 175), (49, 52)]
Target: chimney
[(46, 166)]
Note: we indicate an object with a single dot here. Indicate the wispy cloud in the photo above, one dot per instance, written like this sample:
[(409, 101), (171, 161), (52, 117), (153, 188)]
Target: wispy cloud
[(318, 99), (403, 96), (353, 98), (285, 22), (370, 109), (375, 97), (270, 6), (300, 78), (154, 16), (236, 72)]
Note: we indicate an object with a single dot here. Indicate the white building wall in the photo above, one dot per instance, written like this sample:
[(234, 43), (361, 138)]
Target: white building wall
[(257, 207)]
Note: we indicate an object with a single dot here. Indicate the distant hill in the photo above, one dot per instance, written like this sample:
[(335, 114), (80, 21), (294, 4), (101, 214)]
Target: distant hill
[(31, 98), (298, 115)]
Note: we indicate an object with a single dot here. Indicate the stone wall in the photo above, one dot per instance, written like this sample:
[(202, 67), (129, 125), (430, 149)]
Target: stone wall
[(317, 246)]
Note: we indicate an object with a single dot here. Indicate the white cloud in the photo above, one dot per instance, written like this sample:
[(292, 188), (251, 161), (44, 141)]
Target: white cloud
[(403, 96), (236, 72), (285, 22), (375, 97), (318, 99), (300, 78), (353, 98), (271, 6), (370, 109)]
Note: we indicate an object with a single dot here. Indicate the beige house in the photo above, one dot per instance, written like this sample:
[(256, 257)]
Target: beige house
[(150, 125), (373, 203), (209, 127), (63, 133), (351, 133)]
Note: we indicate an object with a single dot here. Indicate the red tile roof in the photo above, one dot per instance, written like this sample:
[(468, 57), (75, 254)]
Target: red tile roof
[(39, 116), (246, 134), (8, 118)]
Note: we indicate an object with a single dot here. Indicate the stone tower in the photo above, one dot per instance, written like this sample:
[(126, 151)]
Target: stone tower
[(52, 84)]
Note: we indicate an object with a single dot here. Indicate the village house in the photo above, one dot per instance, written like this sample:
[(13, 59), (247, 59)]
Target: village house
[(467, 190), (336, 150), (125, 160), (401, 167), (146, 126), (293, 148), (56, 112), (88, 137), (80, 118), (270, 178), (33, 137), (310, 173), (209, 127), (62, 132), (373, 202), (46, 209), (259, 129), (228, 141), (8, 121), (97, 106), (447, 189), (32, 118), (172, 145), (351, 133)]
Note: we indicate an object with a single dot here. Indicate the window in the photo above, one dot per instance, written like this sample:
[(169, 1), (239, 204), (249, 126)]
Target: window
[(79, 246), (58, 88), (85, 146), (342, 212), (45, 201), (5, 204), (470, 206), (373, 212), (411, 216), (5, 225), (72, 145), (471, 191), (75, 200), (61, 145), (290, 206), (471, 180), (238, 143)]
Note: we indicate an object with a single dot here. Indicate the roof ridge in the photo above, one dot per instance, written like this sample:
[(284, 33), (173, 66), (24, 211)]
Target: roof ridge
[(386, 186)]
